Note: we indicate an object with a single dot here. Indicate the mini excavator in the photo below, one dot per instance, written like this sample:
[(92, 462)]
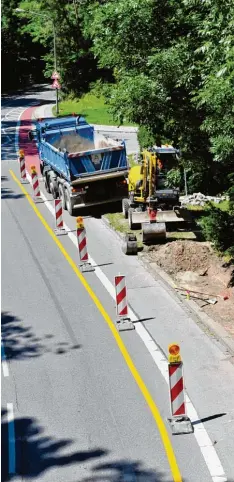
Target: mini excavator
[(151, 205)]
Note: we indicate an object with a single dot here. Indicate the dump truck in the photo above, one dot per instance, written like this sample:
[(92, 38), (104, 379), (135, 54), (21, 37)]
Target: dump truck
[(80, 166), (151, 205)]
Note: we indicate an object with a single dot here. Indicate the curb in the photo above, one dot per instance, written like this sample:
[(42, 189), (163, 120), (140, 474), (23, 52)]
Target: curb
[(46, 111), (214, 328), (43, 111), (114, 128)]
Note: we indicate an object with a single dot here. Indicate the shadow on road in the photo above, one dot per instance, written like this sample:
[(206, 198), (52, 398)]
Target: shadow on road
[(37, 452), (21, 343), (124, 470)]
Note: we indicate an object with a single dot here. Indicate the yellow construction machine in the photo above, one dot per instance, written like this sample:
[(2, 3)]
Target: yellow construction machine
[(151, 204)]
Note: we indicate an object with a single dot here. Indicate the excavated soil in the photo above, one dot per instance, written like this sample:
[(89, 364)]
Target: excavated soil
[(195, 268)]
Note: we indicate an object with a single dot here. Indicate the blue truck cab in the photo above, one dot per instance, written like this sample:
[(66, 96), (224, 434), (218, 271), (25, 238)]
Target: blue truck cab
[(78, 164)]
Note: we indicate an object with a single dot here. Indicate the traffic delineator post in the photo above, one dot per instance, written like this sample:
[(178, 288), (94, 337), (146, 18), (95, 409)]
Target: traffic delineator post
[(58, 210), (23, 177), (123, 320), (82, 246), (35, 184), (179, 421)]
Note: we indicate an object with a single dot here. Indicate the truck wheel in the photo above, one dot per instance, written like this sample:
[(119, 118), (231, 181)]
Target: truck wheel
[(62, 196), (69, 204), (52, 187), (47, 187), (125, 207)]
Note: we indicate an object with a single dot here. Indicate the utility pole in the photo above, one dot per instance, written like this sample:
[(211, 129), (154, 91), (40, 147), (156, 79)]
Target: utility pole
[(55, 68), (185, 183)]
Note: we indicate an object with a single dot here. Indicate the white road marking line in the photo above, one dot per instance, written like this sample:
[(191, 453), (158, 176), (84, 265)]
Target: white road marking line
[(4, 362), (203, 440), (11, 438)]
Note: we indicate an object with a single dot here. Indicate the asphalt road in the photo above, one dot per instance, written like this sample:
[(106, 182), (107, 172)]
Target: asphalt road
[(78, 413)]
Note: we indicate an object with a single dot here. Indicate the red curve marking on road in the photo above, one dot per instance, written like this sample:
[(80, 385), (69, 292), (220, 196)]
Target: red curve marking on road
[(30, 148)]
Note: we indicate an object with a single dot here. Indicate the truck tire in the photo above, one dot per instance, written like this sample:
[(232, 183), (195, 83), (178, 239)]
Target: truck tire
[(62, 196), (69, 204), (47, 187), (125, 207), (53, 187)]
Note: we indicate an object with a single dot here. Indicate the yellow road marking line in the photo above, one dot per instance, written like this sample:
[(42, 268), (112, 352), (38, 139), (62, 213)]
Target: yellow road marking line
[(145, 392)]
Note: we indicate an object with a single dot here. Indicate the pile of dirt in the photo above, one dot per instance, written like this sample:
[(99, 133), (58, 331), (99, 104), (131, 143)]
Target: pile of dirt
[(182, 256), (196, 269), (77, 143)]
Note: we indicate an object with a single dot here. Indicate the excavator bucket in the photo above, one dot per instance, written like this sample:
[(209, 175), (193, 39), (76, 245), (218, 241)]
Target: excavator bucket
[(153, 233)]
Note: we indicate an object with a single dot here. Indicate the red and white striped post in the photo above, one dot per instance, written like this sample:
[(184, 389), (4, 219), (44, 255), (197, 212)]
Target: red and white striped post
[(82, 245), (180, 422), (35, 184), (23, 178), (58, 210), (123, 320)]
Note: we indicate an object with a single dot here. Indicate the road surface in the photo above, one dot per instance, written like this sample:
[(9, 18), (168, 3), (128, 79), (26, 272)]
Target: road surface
[(77, 404)]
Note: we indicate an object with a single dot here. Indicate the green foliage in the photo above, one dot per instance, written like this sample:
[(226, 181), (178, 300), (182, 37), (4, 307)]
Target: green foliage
[(21, 58), (145, 138), (173, 64), (218, 227), (93, 107), (174, 178)]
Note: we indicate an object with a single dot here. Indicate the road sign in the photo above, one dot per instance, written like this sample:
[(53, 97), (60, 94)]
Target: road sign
[(55, 76), (56, 85)]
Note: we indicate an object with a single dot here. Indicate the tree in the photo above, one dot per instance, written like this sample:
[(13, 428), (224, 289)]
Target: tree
[(21, 59), (163, 79)]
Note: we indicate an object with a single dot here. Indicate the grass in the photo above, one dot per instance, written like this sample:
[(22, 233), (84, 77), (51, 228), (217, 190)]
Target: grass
[(93, 108), (120, 224)]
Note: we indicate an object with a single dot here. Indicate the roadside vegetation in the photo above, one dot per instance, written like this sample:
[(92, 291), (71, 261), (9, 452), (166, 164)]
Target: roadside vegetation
[(92, 106), (168, 69)]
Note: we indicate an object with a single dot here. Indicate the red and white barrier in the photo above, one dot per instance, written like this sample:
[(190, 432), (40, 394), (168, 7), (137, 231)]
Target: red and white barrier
[(123, 320), (121, 296), (82, 245), (176, 382), (23, 177), (58, 213), (35, 183), (58, 210), (180, 422)]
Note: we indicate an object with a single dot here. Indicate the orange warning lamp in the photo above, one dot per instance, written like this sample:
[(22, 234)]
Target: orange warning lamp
[(79, 222), (33, 168), (21, 153), (174, 353)]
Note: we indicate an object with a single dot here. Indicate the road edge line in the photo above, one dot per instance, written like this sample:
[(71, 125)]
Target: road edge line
[(11, 438)]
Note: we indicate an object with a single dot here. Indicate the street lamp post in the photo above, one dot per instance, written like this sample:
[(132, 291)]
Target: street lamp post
[(21, 10)]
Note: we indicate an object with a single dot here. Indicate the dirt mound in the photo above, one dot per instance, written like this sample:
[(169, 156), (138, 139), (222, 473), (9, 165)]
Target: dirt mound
[(183, 256), (196, 269)]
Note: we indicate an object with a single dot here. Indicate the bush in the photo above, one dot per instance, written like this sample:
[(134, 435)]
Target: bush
[(145, 137), (174, 178), (218, 227)]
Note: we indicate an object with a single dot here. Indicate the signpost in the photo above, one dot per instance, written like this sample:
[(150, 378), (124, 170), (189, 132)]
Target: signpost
[(56, 85)]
